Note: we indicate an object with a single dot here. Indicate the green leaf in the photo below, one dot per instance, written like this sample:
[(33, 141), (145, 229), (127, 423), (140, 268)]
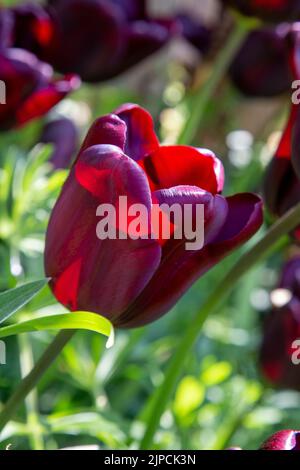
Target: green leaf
[(14, 299), (66, 321)]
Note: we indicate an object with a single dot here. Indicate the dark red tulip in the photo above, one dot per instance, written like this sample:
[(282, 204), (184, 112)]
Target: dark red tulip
[(31, 89), (97, 39), (261, 67), (63, 135), (282, 329), (267, 10), (283, 440), (282, 184), (134, 282)]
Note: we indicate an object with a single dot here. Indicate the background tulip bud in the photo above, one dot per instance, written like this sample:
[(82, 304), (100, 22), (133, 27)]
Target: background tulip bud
[(282, 329)]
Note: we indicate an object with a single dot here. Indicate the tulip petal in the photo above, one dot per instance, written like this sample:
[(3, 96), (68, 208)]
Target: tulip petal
[(141, 139), (237, 218), (283, 440), (171, 166), (104, 276)]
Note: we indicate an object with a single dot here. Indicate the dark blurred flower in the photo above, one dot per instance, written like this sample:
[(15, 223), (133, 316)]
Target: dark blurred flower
[(63, 135), (268, 10), (31, 90), (196, 33), (261, 67), (134, 282), (282, 184), (281, 329), (98, 39), (283, 440)]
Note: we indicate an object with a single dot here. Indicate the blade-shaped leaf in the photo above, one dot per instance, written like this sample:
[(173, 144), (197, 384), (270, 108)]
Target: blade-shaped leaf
[(66, 321), (14, 299)]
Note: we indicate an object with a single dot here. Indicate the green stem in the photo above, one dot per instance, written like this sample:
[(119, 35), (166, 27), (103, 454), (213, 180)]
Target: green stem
[(31, 380), (283, 226), (201, 99)]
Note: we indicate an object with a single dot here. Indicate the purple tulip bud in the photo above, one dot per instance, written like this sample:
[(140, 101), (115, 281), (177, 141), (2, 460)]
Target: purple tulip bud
[(283, 440), (135, 281), (63, 134), (261, 67), (267, 10)]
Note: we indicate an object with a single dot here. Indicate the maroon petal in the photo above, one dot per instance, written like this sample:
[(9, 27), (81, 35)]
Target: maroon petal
[(234, 221), (283, 440), (261, 67), (134, 9), (141, 139), (281, 329), (171, 166), (102, 276), (45, 97)]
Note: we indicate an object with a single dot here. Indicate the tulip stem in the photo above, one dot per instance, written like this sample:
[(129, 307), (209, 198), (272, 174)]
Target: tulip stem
[(247, 261), (200, 100), (31, 380)]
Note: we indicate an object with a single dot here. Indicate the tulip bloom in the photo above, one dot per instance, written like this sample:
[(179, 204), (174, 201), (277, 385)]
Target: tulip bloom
[(31, 90), (134, 282), (261, 68), (267, 10), (63, 135), (283, 440), (98, 39), (282, 329)]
